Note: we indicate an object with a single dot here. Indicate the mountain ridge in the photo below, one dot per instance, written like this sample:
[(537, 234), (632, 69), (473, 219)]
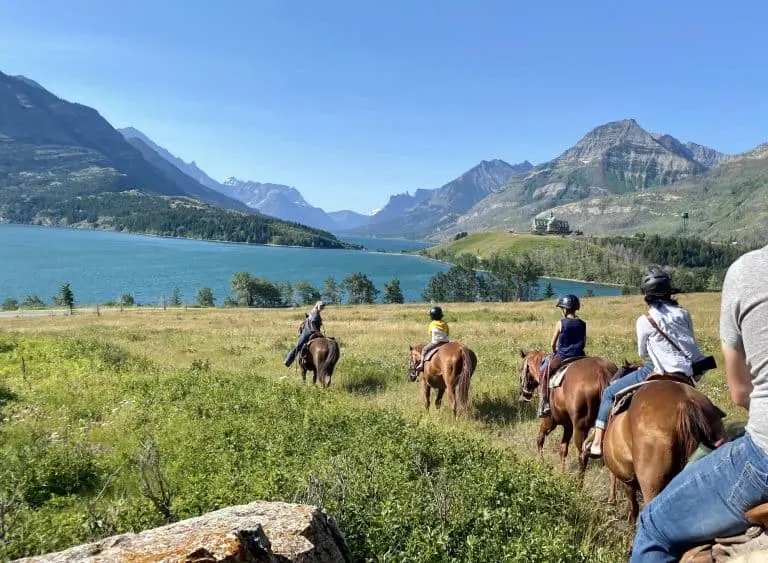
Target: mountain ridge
[(618, 157), (418, 214), (275, 200), (63, 164)]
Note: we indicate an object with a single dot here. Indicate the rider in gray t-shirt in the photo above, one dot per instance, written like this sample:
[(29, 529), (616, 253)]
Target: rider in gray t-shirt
[(708, 499)]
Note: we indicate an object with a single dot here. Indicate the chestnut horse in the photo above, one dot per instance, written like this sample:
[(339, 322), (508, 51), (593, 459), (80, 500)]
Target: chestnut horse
[(648, 444), (451, 366), (319, 356), (574, 404)]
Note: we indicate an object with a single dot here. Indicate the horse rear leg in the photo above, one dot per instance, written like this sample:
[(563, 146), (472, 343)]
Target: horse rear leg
[(426, 389), (564, 442), (579, 435), (547, 425), (439, 398), (452, 397), (612, 490), (633, 507)]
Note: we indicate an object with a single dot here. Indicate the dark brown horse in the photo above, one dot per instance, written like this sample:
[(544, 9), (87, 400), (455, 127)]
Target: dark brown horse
[(574, 404), (649, 443), (450, 368), (319, 356)]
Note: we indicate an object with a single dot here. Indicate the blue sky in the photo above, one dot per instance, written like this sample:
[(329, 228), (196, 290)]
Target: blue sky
[(352, 101)]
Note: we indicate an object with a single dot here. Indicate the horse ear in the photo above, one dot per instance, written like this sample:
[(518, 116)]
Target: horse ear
[(522, 354), (410, 348)]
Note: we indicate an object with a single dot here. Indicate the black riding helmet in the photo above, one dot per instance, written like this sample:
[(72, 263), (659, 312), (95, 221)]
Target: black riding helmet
[(656, 283), (435, 313), (569, 303)]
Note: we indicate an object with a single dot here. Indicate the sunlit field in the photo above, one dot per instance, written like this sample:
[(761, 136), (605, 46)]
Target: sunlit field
[(199, 402)]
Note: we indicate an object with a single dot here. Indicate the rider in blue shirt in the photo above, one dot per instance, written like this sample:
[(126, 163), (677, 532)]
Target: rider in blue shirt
[(568, 342)]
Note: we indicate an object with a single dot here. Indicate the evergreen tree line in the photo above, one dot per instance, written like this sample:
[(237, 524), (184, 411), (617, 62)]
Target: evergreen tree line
[(246, 290), (695, 264), (179, 217)]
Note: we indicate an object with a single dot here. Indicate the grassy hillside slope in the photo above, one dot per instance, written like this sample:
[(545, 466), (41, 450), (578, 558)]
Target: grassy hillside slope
[(484, 244), (85, 399)]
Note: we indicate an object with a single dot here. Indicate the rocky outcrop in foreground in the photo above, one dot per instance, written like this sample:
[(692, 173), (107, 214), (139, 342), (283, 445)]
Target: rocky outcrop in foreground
[(259, 532)]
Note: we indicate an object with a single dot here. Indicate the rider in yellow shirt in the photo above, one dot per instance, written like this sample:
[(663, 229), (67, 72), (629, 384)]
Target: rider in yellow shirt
[(438, 330)]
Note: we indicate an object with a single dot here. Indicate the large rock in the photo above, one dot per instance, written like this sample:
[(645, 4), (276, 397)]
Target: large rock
[(259, 532)]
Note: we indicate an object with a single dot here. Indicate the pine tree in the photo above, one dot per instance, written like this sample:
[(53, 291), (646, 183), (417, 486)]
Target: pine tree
[(392, 292), (66, 297), (176, 297)]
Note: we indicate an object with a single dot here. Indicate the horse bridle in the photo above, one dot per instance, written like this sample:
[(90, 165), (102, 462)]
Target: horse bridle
[(412, 373), (526, 391)]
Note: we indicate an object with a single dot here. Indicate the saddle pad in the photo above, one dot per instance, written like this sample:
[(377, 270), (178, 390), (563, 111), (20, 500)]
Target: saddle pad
[(433, 351), (624, 397), (557, 379)]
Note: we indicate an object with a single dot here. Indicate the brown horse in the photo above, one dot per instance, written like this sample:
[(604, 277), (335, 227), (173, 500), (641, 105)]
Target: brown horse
[(574, 404), (319, 356), (649, 443), (452, 366)]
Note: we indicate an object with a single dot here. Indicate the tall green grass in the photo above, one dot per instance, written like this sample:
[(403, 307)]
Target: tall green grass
[(96, 440)]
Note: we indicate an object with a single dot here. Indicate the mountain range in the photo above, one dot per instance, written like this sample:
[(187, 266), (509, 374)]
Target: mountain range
[(61, 163), (275, 200), (405, 215), (617, 178)]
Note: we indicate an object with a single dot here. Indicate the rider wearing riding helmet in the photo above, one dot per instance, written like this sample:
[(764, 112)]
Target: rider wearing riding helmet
[(568, 342), (708, 499), (438, 330), (665, 322)]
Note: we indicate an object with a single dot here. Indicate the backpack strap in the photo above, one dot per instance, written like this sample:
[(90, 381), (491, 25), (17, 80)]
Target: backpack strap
[(661, 332)]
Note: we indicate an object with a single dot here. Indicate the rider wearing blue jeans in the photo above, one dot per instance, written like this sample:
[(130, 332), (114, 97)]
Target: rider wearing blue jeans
[(312, 324), (675, 321), (708, 499)]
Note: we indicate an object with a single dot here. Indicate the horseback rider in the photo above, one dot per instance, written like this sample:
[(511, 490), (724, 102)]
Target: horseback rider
[(568, 341), (438, 330), (313, 323), (665, 340), (708, 500)]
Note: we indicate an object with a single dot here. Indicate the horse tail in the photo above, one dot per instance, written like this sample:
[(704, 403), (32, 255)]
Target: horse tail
[(327, 367), (694, 426), (464, 376)]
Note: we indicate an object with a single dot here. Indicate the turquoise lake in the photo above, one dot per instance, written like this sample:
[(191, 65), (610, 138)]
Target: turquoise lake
[(101, 266)]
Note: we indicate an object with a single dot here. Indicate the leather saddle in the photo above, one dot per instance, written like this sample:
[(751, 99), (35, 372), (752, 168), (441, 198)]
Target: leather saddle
[(623, 398), (724, 549)]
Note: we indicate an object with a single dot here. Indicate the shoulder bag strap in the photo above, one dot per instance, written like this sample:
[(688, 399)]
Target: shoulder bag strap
[(672, 342)]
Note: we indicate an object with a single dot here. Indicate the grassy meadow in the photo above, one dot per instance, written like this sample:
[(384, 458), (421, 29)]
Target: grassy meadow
[(132, 419), (484, 244)]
